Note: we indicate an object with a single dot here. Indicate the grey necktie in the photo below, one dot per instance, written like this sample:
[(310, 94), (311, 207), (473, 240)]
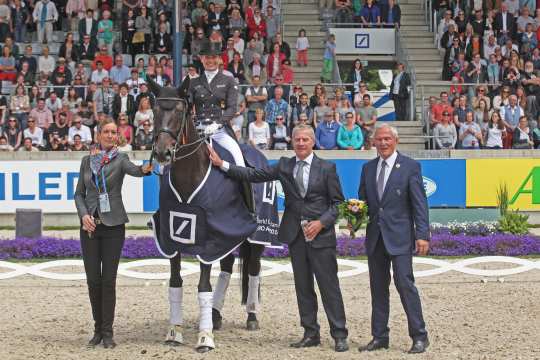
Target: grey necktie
[(300, 177), (380, 180)]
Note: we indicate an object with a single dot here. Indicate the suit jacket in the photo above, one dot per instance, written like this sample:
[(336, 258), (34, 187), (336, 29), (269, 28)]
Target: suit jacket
[(93, 32), (510, 24), (404, 83), (396, 14), (217, 100), (166, 41), (75, 52), (401, 216), (117, 105), (87, 54), (86, 193), (320, 203)]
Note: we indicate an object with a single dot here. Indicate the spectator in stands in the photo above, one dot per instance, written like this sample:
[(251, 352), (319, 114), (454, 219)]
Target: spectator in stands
[(320, 110), (125, 129), (481, 113), (343, 13), (34, 96), (276, 106), (326, 133), (495, 132), (34, 132), (287, 72), (28, 145), (274, 61), (87, 50), (302, 46), (302, 107), (444, 133), (72, 100), (259, 130), (344, 108), (281, 135), (162, 40), (272, 26), (88, 26), (8, 42), (510, 115), (78, 129), (250, 52), (105, 31), (134, 83), (391, 14), (119, 73), (78, 144), (12, 132), (4, 146), (75, 10), (128, 30), (470, 134), (504, 25), (145, 137), (356, 75), (143, 24), (99, 73), (7, 65), (370, 14), (69, 50), (349, 135), (327, 73), (256, 24), (45, 14), (53, 102), (145, 92), (103, 97), (20, 17), (19, 105), (218, 19), (283, 45), (41, 115), (522, 137), (236, 68), (366, 118), (28, 58), (259, 43), (105, 58), (256, 68), (256, 98), (59, 130), (400, 92), (318, 90), (144, 113), (461, 111)]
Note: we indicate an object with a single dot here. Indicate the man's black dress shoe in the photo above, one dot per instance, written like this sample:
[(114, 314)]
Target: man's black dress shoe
[(375, 344), (307, 341), (108, 342), (96, 340), (419, 346), (341, 345)]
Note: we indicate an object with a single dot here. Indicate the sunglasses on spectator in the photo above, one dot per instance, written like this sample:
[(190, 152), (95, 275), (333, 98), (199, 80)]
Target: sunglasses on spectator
[(30, 121), (12, 120), (76, 122)]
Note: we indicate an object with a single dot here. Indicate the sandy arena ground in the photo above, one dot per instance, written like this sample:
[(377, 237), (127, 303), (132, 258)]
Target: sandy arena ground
[(467, 319)]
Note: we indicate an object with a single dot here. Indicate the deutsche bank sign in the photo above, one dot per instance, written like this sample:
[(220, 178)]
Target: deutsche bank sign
[(365, 41), (182, 227)]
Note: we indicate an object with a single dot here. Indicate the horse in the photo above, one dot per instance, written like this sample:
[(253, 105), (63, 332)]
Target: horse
[(177, 142)]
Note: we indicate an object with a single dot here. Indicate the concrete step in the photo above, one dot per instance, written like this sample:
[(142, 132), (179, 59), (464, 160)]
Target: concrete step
[(300, 9), (417, 36), (301, 17), (309, 28), (421, 43), (424, 53), (423, 61), (423, 27), (410, 147), (412, 21), (411, 9), (428, 76)]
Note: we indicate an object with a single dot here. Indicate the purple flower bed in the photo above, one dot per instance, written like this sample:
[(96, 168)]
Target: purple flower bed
[(442, 244)]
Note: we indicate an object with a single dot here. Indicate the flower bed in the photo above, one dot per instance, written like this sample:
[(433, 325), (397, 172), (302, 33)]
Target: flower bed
[(443, 243)]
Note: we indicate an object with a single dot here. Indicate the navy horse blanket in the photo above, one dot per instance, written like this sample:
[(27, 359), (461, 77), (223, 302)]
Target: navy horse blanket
[(214, 221)]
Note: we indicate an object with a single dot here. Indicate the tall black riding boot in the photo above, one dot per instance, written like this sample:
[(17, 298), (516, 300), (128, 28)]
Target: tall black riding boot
[(109, 303), (94, 292)]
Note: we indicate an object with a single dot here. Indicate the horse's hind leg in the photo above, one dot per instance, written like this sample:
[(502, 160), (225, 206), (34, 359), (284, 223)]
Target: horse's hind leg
[(252, 301), (206, 338), (220, 290), (174, 335)]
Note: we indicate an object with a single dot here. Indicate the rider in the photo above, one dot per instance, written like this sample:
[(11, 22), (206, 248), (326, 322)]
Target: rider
[(215, 98)]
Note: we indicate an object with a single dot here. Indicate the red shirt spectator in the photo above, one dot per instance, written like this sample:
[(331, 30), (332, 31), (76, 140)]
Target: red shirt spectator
[(104, 57), (256, 24)]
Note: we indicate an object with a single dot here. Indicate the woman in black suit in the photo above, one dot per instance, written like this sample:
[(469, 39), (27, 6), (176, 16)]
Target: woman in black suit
[(356, 75), (98, 199), (69, 50), (237, 68)]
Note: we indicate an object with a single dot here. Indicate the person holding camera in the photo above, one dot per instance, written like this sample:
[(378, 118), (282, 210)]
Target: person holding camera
[(98, 198)]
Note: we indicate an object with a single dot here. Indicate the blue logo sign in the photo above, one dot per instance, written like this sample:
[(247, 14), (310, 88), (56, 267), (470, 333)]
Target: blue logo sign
[(361, 41)]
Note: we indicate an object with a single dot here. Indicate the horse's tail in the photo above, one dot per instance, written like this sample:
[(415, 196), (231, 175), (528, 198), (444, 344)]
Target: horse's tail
[(244, 256)]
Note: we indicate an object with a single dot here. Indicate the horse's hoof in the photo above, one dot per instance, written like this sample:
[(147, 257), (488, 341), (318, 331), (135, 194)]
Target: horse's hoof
[(203, 349), (174, 336), (252, 325), (205, 342), (216, 319)]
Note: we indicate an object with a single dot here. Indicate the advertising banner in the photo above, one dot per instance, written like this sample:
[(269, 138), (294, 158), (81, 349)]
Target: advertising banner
[(365, 40), (521, 176)]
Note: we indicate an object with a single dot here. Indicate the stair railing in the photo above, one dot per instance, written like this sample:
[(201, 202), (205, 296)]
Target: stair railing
[(402, 55)]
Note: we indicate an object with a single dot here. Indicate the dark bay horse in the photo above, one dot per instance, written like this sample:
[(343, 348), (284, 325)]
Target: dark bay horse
[(177, 142)]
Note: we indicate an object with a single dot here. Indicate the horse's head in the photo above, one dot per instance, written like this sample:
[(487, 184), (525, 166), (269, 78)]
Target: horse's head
[(170, 119)]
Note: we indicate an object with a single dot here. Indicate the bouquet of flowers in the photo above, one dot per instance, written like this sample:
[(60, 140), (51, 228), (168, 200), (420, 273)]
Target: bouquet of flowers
[(355, 212)]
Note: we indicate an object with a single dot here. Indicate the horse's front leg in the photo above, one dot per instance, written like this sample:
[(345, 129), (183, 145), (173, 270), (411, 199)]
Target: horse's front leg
[(220, 290), (206, 338), (253, 270), (174, 335)]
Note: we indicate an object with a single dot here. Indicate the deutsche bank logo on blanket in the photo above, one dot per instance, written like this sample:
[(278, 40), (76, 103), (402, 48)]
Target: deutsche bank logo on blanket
[(361, 41), (182, 227)]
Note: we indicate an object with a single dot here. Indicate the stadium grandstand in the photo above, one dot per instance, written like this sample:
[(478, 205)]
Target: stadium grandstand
[(453, 75)]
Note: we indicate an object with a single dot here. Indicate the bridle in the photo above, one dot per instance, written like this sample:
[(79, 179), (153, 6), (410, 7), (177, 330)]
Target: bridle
[(180, 136)]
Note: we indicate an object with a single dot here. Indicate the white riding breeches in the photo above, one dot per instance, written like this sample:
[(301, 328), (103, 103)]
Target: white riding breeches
[(225, 140)]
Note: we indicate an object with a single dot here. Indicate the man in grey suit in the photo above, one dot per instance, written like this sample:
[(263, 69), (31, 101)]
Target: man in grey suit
[(312, 192), (392, 187)]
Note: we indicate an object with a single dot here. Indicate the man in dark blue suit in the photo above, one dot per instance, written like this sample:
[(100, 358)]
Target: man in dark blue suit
[(398, 225)]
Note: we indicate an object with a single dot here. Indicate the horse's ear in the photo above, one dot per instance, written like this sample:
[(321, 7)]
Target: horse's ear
[(155, 88)]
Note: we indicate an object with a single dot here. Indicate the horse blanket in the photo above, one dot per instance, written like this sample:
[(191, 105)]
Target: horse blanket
[(214, 221)]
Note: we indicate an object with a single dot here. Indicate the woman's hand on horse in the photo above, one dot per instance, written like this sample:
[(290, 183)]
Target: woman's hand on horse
[(88, 223), (146, 168), (214, 157)]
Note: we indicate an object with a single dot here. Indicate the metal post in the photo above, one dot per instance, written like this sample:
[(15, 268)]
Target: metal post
[(177, 42)]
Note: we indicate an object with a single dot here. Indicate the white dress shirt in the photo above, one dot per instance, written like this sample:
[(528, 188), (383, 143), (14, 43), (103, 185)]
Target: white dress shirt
[(390, 161), (123, 104), (307, 168), (210, 75), (89, 25)]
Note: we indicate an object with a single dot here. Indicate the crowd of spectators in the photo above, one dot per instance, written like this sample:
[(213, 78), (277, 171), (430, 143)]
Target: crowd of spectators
[(54, 93), (492, 57)]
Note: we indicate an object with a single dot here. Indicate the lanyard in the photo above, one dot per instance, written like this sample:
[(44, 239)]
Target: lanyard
[(103, 181)]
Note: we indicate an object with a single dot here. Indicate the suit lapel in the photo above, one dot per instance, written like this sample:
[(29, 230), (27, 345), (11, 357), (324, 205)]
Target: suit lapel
[(313, 171), (373, 179), (290, 171), (393, 175)]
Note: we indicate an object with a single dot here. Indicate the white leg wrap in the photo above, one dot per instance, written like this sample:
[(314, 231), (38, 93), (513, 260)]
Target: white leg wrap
[(175, 306), (220, 290), (205, 308), (252, 303), (224, 139)]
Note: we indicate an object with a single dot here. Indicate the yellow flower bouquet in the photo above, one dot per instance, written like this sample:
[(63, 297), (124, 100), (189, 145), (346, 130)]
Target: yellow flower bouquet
[(355, 212)]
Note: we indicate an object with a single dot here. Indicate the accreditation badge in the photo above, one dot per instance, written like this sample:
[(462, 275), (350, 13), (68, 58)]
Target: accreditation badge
[(104, 204)]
